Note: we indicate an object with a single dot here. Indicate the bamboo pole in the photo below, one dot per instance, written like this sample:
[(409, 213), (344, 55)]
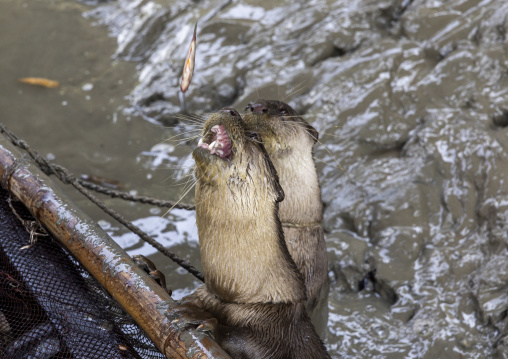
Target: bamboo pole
[(145, 301)]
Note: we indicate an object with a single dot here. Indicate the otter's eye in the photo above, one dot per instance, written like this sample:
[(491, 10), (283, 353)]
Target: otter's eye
[(231, 111), (255, 137), (283, 110)]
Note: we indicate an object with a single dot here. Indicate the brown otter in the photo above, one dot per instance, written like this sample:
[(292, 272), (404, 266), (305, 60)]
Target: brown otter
[(289, 140), (252, 285)]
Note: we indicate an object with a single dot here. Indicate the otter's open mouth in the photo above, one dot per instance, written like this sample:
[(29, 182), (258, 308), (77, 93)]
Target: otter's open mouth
[(217, 142)]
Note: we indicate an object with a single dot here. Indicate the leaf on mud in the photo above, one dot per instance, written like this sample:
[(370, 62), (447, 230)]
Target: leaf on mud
[(38, 81)]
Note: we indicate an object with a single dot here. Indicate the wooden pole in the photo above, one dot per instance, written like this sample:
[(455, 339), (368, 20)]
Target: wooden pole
[(144, 300)]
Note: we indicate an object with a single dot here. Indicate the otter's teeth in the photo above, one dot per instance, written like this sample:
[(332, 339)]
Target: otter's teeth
[(220, 152), (215, 128), (212, 145), (200, 141)]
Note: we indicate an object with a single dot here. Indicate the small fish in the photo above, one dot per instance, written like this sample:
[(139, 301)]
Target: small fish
[(188, 68), (38, 81)]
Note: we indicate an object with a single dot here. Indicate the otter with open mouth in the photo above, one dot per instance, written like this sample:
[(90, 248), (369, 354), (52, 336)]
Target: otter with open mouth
[(252, 287), (289, 142)]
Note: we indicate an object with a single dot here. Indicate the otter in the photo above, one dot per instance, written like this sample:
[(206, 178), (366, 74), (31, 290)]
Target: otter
[(253, 287), (289, 141)]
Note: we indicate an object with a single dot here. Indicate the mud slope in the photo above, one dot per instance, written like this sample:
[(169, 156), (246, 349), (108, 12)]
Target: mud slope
[(411, 98)]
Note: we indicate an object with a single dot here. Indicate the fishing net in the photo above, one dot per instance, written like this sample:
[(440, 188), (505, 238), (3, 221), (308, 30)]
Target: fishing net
[(50, 306)]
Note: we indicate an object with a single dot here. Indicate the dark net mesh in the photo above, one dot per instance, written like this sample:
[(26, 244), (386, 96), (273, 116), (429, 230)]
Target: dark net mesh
[(50, 307)]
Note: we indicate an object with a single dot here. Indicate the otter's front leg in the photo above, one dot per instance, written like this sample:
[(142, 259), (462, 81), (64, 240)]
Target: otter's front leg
[(190, 312), (148, 266)]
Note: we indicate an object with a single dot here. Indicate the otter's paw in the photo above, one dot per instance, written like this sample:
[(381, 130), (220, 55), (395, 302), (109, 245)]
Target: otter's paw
[(189, 313), (148, 266)]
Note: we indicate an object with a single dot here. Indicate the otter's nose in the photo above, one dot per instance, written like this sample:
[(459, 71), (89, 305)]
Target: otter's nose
[(257, 107), (231, 111)]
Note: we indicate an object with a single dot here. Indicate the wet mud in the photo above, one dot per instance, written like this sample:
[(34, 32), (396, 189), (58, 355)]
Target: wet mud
[(410, 98)]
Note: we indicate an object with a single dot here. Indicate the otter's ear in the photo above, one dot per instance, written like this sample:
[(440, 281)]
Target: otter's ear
[(272, 172)]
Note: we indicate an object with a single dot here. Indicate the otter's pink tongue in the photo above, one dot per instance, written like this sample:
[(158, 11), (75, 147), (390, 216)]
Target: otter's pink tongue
[(220, 145)]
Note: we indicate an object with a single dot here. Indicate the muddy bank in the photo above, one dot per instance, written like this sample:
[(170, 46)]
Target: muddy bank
[(410, 97)]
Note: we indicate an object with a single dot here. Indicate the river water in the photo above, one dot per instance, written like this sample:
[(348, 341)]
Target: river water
[(410, 99)]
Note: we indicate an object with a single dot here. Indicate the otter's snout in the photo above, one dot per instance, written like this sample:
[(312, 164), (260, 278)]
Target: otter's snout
[(257, 107)]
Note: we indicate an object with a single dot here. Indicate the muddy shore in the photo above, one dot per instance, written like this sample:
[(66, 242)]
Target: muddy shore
[(410, 99)]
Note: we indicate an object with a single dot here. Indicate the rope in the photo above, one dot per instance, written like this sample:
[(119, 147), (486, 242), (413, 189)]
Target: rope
[(129, 197), (68, 178)]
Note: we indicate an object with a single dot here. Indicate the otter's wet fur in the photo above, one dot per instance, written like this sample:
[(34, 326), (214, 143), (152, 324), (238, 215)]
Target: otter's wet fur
[(289, 142), (252, 284)]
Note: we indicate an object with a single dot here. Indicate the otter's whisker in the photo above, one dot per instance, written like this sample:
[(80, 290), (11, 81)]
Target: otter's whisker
[(184, 176), (190, 125), (190, 120), (295, 91), (184, 179), (172, 167), (336, 161), (197, 118), (176, 183), (183, 133), (323, 133), (181, 197), (202, 117), (189, 179), (333, 135), (289, 116), (188, 139)]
